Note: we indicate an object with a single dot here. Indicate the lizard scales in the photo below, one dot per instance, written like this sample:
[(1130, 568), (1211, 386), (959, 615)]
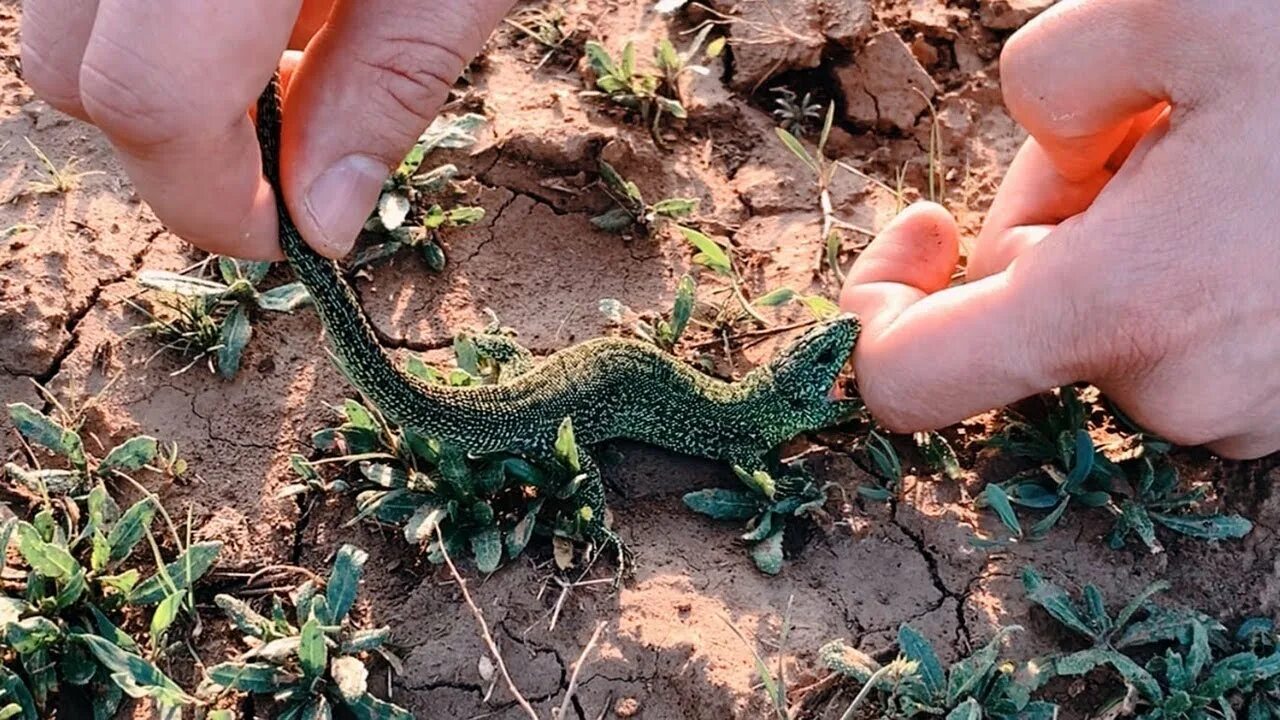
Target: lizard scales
[(612, 388)]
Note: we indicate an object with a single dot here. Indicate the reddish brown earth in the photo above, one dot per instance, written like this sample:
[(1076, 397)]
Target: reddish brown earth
[(667, 651)]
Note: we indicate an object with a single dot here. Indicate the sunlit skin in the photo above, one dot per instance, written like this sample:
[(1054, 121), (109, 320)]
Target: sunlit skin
[(1132, 243)]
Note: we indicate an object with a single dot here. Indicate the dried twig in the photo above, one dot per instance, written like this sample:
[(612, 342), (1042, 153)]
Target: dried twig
[(484, 631), (577, 667)]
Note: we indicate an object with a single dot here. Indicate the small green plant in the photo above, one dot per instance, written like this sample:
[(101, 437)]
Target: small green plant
[(917, 684), (62, 438), (632, 210), (824, 172), (651, 95), (550, 28), (482, 506), (765, 505), (733, 305), (795, 114), (313, 667), (664, 333), (212, 318), (403, 216), (62, 629), (57, 180), (1140, 492), (773, 683), (1194, 670)]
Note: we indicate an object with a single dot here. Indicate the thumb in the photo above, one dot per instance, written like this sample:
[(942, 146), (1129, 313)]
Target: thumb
[(930, 355), (369, 83)]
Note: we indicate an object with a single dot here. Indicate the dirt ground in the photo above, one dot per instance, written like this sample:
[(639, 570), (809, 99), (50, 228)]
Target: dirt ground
[(540, 265)]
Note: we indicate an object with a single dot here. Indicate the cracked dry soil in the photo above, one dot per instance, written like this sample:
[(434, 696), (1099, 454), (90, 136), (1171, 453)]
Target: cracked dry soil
[(539, 264)]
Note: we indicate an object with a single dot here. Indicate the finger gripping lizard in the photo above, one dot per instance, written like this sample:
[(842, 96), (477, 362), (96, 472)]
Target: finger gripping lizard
[(611, 388)]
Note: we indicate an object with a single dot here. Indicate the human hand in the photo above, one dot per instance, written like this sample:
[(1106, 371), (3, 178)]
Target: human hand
[(1133, 244), (170, 84)]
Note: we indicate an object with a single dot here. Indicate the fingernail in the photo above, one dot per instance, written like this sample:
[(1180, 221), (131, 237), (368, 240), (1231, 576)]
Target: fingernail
[(340, 200)]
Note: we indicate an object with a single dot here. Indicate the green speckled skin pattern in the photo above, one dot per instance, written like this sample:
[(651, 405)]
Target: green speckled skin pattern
[(610, 387)]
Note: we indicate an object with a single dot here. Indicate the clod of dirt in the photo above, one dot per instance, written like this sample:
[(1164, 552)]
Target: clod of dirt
[(626, 707), (771, 37), (934, 18), (1011, 14), (885, 86)]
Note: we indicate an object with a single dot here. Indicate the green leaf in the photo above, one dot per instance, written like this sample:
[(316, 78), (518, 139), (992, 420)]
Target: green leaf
[(767, 554), (123, 582), (47, 559), (615, 221), (486, 546), (368, 707), (627, 67), (363, 641), (970, 709), (421, 527), (344, 582), (71, 591), (666, 56), (775, 298), (433, 256), (32, 634), (464, 216), (136, 676), (793, 144), (819, 307), (674, 207), (130, 455), (165, 615), (566, 448), (715, 48), (53, 481), (762, 530), (849, 661), (15, 692), (709, 254), (189, 567), (999, 502), (939, 454), (915, 647), (671, 106), (1055, 601), (313, 656), (1081, 462), (253, 677), (103, 627), (11, 608), (1206, 527), (285, 298), (76, 666), (36, 427), (518, 538), (177, 284), (682, 310), (358, 416), (246, 619), (758, 481), (599, 59), (1046, 523), (451, 132), (233, 337), (723, 504)]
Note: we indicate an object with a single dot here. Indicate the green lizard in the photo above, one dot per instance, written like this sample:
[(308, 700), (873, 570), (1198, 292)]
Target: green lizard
[(610, 388)]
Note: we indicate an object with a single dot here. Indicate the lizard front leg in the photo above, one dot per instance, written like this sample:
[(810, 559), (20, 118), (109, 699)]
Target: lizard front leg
[(591, 492)]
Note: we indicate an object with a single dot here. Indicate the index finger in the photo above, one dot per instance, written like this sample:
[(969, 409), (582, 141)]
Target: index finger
[(169, 84)]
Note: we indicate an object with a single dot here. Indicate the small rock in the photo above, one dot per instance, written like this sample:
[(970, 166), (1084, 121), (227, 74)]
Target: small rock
[(626, 707), (925, 53), (934, 18), (1011, 14), (771, 37), (880, 87)]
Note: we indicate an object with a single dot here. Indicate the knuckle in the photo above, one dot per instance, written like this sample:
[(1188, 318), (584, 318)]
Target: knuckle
[(55, 82), (113, 99), (414, 77)]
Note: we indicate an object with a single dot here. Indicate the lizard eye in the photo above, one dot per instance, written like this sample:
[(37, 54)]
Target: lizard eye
[(827, 356)]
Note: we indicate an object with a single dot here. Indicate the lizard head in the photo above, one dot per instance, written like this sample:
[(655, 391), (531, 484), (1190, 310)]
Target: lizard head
[(804, 375)]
